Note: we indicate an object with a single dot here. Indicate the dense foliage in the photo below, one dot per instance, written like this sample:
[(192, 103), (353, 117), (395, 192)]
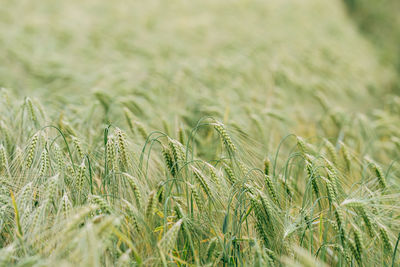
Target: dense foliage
[(195, 133)]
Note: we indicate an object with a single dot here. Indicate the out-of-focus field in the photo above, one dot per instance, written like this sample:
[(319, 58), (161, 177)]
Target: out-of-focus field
[(380, 22), (199, 133)]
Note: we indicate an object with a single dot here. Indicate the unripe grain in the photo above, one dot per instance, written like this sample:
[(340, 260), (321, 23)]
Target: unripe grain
[(271, 188), (225, 138), (167, 243), (44, 163), (31, 150), (101, 202), (135, 189), (78, 146), (122, 146), (385, 240), (151, 205)]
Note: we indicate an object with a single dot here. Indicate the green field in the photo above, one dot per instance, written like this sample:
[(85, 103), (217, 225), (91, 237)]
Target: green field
[(199, 133)]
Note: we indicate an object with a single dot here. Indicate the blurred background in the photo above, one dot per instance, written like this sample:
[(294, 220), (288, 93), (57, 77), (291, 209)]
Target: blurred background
[(184, 58)]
